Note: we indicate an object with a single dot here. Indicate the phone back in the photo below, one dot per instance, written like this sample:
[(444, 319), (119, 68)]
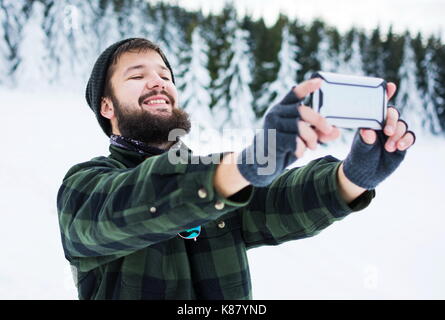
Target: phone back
[(348, 101)]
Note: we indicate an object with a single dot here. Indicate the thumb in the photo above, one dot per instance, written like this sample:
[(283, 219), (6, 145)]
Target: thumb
[(306, 87), (368, 136)]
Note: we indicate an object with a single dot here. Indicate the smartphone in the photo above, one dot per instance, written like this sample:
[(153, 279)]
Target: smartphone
[(349, 101)]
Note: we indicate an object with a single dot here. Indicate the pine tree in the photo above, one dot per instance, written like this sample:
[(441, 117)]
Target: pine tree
[(372, 49), (264, 44), (350, 57), (3, 47), (103, 24), (435, 90), (195, 96), (234, 106), (326, 53), (420, 56), (409, 100), (129, 15), (170, 36), (432, 123), (221, 54), (275, 91), (61, 18), (213, 35), (309, 49), (147, 13), (439, 57), (219, 38), (440, 91), (298, 31), (15, 15), (392, 56), (83, 29), (32, 52)]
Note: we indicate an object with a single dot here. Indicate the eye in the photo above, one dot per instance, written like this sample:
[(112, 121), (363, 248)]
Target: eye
[(166, 78), (136, 78)]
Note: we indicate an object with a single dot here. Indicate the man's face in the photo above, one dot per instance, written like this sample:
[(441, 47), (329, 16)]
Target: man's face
[(144, 99)]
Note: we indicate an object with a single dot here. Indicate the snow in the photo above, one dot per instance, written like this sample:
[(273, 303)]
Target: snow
[(42, 141), (391, 250)]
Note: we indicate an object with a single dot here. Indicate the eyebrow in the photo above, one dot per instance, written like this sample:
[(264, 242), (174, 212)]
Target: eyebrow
[(142, 66)]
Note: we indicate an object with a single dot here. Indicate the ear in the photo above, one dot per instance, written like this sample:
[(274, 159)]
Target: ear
[(106, 108)]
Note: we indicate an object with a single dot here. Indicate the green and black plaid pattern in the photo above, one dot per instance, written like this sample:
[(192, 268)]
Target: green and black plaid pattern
[(119, 218)]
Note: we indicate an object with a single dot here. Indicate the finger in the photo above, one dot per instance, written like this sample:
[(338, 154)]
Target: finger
[(301, 148), (308, 135), (391, 143), (322, 137), (392, 116), (390, 89), (406, 142), (368, 136), (306, 87), (314, 118)]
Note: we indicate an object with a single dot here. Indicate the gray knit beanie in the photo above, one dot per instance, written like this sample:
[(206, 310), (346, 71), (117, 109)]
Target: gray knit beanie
[(96, 83)]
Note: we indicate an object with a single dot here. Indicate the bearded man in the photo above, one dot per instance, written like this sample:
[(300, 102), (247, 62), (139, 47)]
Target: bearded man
[(136, 225)]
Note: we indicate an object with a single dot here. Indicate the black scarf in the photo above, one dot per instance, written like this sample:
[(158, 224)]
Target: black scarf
[(135, 145)]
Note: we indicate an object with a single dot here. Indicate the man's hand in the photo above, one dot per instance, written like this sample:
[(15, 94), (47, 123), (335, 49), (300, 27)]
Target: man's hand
[(399, 138), (297, 127), (374, 154), (289, 128), (312, 126)]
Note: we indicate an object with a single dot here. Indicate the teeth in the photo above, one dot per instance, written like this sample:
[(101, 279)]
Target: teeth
[(157, 101)]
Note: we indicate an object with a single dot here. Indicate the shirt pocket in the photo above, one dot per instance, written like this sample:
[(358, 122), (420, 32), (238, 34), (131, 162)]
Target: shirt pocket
[(225, 225), (143, 274), (222, 258)]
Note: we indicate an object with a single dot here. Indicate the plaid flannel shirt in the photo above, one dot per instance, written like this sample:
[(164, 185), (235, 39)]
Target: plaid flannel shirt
[(120, 215)]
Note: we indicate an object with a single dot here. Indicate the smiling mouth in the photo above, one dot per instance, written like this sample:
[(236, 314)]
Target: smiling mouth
[(155, 102), (158, 104)]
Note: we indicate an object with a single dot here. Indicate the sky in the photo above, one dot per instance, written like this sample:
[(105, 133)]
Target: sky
[(425, 16)]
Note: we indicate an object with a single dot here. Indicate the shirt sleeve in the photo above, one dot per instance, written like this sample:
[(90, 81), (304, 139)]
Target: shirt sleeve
[(298, 204), (106, 211)]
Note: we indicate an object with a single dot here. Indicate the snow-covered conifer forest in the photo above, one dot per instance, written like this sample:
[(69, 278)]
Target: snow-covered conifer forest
[(222, 62)]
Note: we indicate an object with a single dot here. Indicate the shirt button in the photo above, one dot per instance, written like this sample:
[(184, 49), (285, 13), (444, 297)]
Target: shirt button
[(153, 209), (219, 205), (202, 193), (221, 224)]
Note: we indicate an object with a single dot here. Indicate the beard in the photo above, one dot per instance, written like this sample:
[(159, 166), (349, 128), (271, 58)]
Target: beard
[(149, 127)]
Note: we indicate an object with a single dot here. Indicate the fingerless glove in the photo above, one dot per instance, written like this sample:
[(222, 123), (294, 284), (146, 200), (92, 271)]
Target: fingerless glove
[(273, 148), (369, 164)]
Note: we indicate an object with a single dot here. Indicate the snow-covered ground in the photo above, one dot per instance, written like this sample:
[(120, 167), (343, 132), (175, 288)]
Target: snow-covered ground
[(391, 250)]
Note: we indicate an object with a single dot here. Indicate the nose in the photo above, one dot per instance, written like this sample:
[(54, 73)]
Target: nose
[(155, 82)]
